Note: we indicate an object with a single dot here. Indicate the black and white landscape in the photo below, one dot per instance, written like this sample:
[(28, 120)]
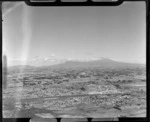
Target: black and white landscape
[(74, 62), (102, 88)]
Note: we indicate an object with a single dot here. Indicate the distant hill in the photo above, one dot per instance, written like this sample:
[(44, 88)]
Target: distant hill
[(104, 63), (17, 68)]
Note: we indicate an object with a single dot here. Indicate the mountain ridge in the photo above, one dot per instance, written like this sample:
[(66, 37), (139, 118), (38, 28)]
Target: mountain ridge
[(101, 63)]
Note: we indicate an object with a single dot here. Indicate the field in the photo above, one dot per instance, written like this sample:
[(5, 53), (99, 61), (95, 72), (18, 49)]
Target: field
[(75, 92)]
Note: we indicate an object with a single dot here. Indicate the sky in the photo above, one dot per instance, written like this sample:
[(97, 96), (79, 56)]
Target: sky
[(56, 34)]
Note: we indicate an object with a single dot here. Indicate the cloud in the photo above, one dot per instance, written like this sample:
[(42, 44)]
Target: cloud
[(37, 61)]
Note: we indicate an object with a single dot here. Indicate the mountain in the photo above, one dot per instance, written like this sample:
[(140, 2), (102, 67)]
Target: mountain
[(102, 63)]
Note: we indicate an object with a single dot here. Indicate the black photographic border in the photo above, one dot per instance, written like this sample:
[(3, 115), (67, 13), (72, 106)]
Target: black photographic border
[(87, 3)]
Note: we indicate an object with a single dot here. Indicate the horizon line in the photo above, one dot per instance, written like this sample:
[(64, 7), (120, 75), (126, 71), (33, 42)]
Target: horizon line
[(76, 60)]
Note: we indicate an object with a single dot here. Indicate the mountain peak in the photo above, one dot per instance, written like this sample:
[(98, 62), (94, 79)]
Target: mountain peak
[(105, 59), (100, 63)]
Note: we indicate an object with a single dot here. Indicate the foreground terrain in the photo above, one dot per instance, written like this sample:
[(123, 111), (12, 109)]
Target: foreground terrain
[(75, 92)]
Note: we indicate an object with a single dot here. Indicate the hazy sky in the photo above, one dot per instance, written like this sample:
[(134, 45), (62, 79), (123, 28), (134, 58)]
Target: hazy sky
[(79, 33)]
